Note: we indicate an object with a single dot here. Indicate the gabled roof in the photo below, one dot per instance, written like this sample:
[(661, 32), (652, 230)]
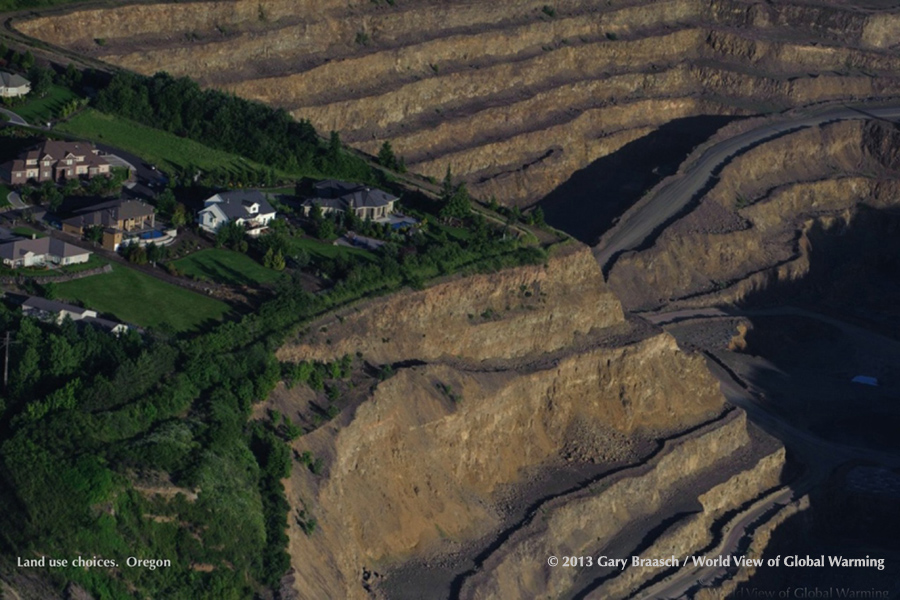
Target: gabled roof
[(52, 306), (333, 188), (56, 150), (16, 249), (11, 80), (236, 204), (108, 214), (342, 195)]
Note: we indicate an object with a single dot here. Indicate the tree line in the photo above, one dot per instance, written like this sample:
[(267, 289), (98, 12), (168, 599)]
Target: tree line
[(223, 121)]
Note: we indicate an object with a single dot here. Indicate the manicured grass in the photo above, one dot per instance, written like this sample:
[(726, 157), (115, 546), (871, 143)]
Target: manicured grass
[(326, 250), (143, 300), (226, 266), (38, 111), (4, 194), (155, 146)]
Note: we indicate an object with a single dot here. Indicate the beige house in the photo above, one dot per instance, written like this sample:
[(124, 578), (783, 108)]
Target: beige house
[(13, 86), (118, 219), (41, 252), (341, 196)]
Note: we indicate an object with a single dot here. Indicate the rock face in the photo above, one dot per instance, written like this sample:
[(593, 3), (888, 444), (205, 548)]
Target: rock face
[(516, 313), (515, 96), (426, 465), (755, 228)]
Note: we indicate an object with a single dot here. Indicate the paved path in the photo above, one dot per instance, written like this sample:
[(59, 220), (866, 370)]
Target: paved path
[(16, 201), (14, 119), (640, 224)]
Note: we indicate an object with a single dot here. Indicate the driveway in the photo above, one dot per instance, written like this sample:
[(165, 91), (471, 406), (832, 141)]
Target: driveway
[(16, 201), (14, 119)]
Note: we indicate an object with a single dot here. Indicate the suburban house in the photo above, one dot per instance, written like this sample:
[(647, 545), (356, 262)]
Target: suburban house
[(57, 312), (250, 209), (120, 220), (12, 85), (24, 252), (56, 161), (340, 196)]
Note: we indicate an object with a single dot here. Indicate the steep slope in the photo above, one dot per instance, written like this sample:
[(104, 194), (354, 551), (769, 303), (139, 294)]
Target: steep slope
[(516, 96), (500, 419), (755, 227)]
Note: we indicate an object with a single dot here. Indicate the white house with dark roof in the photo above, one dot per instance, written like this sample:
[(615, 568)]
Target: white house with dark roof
[(40, 252), (57, 312), (341, 196), (13, 86), (251, 209)]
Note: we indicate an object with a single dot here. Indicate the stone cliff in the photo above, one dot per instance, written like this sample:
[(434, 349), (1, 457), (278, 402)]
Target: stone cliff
[(752, 229), (479, 407), (515, 96)]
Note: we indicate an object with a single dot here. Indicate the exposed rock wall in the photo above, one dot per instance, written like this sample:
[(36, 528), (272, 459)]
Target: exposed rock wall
[(412, 467), (751, 230), (516, 313), (584, 525), (514, 99)]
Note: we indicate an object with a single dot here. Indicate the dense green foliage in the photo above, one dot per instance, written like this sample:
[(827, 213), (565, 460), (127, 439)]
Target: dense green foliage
[(88, 419), (169, 151), (225, 122)]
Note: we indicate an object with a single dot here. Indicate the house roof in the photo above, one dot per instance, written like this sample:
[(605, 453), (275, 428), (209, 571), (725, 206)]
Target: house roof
[(236, 204), (333, 188), (108, 214), (103, 323), (16, 249), (59, 150), (11, 80), (343, 195), (52, 306)]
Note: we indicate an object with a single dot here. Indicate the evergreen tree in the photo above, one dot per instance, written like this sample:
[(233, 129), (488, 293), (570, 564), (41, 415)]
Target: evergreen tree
[(459, 206)]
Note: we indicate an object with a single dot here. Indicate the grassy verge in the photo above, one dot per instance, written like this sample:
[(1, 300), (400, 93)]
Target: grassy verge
[(156, 146), (226, 266), (137, 298), (318, 249), (4, 193), (27, 231)]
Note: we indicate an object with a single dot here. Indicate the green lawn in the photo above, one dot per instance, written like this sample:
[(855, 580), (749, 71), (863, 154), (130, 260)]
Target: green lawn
[(27, 232), (226, 266), (327, 250), (155, 146), (40, 110), (137, 298), (4, 193)]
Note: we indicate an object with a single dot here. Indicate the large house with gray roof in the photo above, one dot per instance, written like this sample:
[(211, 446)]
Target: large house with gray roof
[(13, 86), (40, 252), (120, 220), (250, 209), (331, 195)]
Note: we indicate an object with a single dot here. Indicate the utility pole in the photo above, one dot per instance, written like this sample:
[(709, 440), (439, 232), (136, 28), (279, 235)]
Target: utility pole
[(6, 362), (6, 344)]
